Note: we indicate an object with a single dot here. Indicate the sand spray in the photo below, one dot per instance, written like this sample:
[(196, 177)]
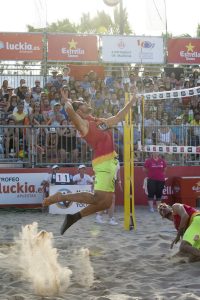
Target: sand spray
[(34, 259), (37, 261)]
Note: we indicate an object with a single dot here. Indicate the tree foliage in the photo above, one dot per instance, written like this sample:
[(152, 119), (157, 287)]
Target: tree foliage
[(198, 30), (99, 24)]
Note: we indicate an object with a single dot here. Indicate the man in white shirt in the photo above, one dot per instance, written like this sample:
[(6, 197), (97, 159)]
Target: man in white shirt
[(82, 178)]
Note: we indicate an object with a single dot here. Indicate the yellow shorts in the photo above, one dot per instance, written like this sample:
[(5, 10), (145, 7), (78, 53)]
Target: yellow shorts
[(192, 230), (105, 174)]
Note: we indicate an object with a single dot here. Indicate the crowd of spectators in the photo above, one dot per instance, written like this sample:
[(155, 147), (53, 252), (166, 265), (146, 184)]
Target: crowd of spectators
[(163, 120)]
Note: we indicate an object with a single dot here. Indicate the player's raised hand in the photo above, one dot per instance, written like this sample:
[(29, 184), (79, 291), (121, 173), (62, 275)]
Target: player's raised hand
[(64, 94)]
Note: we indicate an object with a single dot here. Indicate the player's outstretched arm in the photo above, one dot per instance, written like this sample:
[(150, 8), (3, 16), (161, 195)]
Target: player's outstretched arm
[(120, 116)]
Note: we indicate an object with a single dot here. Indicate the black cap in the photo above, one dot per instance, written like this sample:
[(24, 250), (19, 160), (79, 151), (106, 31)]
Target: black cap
[(77, 104)]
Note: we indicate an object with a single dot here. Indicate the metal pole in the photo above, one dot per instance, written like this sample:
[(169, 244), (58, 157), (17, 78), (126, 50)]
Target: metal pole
[(121, 16)]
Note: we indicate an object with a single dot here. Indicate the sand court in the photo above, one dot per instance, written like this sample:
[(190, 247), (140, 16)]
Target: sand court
[(91, 261)]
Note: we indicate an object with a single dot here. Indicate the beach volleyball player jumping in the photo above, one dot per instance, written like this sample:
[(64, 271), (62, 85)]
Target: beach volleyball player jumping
[(97, 134)]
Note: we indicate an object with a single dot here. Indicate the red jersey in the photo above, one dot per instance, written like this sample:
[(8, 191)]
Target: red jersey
[(101, 141), (177, 219), (155, 168)]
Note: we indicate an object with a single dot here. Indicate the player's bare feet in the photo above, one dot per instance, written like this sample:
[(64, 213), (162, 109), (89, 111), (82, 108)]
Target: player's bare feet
[(52, 199)]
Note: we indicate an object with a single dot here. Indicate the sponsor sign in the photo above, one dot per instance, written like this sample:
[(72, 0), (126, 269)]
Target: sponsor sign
[(21, 188), (183, 51), (21, 46), (64, 47), (132, 49), (67, 207)]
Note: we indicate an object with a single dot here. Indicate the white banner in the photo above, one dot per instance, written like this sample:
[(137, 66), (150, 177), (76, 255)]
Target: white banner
[(173, 94), (171, 149), (132, 49), (67, 207), (21, 188)]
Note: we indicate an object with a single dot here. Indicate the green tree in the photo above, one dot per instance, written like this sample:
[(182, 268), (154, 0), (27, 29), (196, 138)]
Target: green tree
[(59, 26), (198, 30), (101, 23)]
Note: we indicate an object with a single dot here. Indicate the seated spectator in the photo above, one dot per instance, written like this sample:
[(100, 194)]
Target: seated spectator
[(36, 117), (9, 93), (110, 80), (22, 89), (98, 100), (56, 99), (85, 84), (12, 103), (55, 117), (2, 137), (21, 118), (165, 135), (107, 106), (67, 150), (46, 109), (27, 105), (165, 116), (4, 87), (179, 131), (114, 101), (92, 89), (36, 94), (34, 89), (11, 136), (72, 95), (150, 126), (19, 114), (195, 130), (82, 178)]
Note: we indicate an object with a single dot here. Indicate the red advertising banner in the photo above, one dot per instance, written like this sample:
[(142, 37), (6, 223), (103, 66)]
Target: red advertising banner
[(184, 51), (78, 71), (63, 47), (21, 46)]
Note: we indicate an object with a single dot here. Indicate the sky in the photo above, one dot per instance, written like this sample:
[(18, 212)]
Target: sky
[(146, 17)]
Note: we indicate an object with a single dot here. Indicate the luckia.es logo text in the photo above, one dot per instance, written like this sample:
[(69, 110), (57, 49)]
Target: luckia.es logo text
[(20, 46)]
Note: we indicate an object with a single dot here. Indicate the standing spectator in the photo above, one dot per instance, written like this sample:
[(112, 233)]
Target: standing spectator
[(53, 79), (66, 72), (155, 168), (82, 178), (59, 83)]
